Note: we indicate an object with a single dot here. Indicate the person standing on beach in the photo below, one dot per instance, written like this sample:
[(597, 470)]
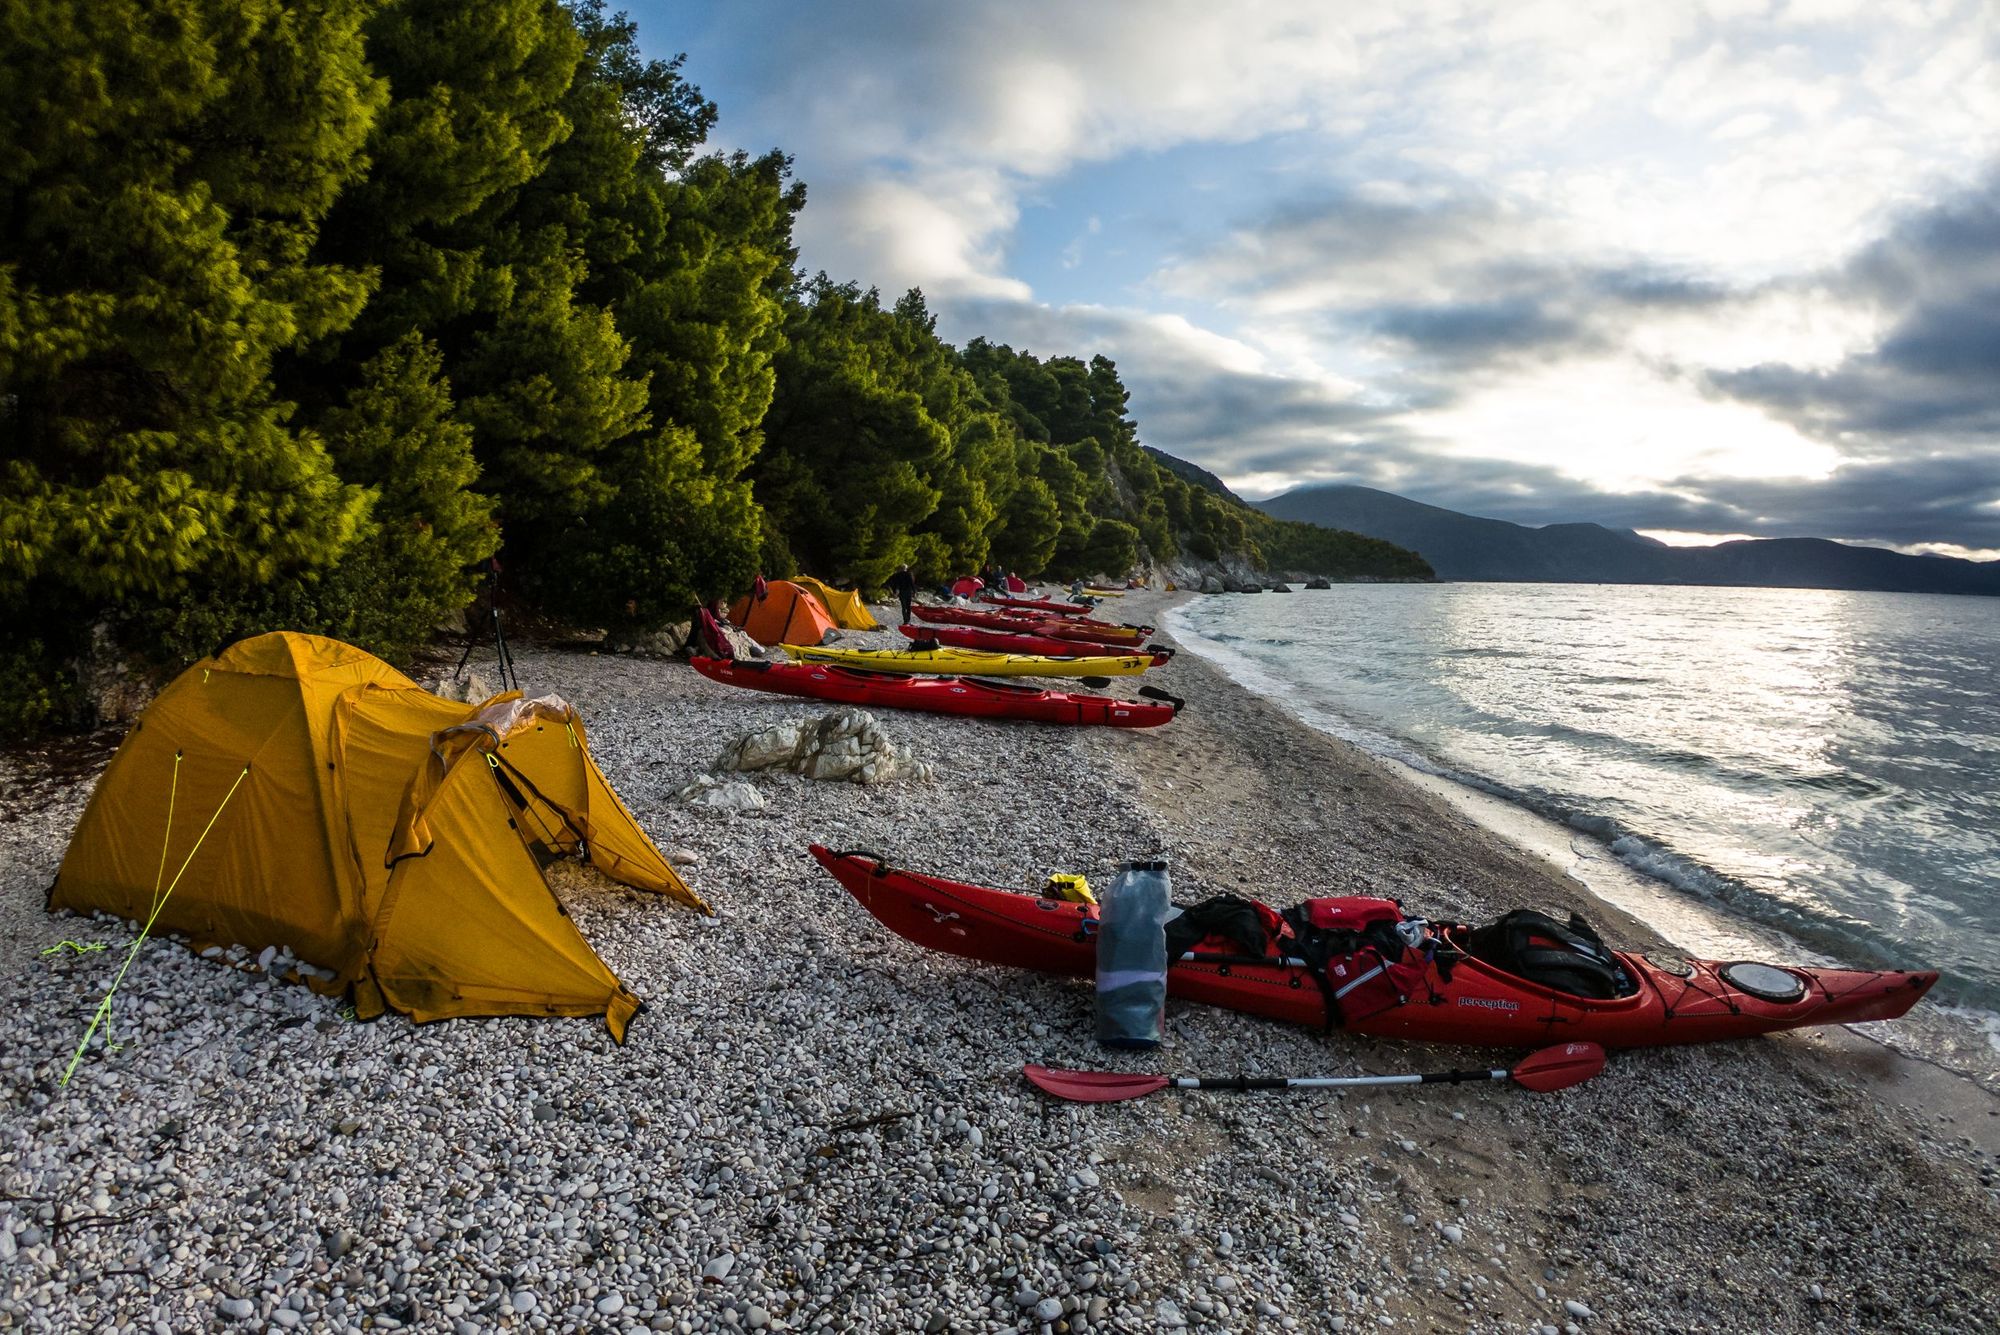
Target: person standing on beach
[(760, 588), (904, 585)]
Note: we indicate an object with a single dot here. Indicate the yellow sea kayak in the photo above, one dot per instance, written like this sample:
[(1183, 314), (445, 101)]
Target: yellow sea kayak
[(1104, 593), (972, 662)]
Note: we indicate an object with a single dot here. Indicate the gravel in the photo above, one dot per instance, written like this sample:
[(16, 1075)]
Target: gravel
[(815, 1125)]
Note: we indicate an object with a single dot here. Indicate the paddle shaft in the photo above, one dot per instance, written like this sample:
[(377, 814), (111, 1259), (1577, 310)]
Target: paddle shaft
[(1245, 1083), (1543, 1072)]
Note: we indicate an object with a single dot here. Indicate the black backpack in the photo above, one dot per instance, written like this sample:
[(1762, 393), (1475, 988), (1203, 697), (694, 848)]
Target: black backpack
[(1568, 957)]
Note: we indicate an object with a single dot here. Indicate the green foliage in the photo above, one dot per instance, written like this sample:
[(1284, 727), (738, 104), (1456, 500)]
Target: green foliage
[(1089, 459), (609, 328), (1290, 545), (1111, 505), (863, 428), (1112, 548), (705, 321), (671, 115), (410, 568), (42, 689), (1030, 520), (166, 174)]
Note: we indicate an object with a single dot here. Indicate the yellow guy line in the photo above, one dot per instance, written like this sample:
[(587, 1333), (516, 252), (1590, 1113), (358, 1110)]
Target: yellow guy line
[(173, 792), (104, 1006)]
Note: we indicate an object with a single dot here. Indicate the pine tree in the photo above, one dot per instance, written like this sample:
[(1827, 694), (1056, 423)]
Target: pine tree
[(165, 172), (411, 567)]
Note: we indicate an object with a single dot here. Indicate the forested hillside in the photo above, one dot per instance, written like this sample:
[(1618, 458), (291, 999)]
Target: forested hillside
[(307, 310)]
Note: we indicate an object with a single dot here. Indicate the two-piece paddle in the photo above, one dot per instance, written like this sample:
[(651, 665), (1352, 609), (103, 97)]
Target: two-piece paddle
[(1545, 1071)]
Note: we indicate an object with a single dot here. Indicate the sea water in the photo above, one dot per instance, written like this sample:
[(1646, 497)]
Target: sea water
[(1822, 764)]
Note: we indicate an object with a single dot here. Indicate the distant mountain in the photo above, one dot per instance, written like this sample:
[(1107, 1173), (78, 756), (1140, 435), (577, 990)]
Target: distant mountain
[(1465, 547), (1194, 473)]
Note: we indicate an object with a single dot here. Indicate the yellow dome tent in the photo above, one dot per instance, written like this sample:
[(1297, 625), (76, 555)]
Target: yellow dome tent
[(298, 792), (843, 605)]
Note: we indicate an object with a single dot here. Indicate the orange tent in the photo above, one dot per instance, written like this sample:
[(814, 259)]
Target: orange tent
[(788, 615)]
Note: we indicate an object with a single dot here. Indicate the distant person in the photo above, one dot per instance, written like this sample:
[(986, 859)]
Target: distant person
[(760, 588), (710, 641), (731, 638), (904, 585)]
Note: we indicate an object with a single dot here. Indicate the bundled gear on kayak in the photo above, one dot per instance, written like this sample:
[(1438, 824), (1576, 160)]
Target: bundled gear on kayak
[(1364, 954), (1570, 958)]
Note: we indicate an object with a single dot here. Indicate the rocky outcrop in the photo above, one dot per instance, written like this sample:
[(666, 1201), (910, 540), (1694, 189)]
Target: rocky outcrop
[(468, 688), (665, 642), (113, 690), (1232, 574), (731, 796), (846, 745)]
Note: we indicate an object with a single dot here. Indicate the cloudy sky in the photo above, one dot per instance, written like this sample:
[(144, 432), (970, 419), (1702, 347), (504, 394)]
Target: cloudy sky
[(1701, 269)]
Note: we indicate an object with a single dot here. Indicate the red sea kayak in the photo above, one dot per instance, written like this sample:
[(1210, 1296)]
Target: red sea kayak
[(1033, 604), (1061, 628), (1013, 642), (1677, 1001), (971, 696)]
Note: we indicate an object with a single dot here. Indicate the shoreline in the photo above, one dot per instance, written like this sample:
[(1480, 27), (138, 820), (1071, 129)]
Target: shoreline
[(1918, 1082), (1943, 1071), (816, 1125)]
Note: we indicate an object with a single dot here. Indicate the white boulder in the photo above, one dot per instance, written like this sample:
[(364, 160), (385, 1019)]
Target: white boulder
[(846, 745), (726, 795)]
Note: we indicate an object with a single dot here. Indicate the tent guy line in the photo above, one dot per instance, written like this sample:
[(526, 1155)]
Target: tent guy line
[(159, 902)]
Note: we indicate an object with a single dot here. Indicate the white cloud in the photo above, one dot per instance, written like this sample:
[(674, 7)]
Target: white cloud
[(942, 237), (1621, 427), (1511, 230), (1822, 115), (1072, 255)]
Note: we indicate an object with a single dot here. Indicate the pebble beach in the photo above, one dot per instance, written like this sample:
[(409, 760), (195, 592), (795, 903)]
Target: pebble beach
[(814, 1124)]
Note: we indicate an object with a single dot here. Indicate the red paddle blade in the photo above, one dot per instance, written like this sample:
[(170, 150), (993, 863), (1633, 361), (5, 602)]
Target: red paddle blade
[(1093, 1086), (1558, 1067)]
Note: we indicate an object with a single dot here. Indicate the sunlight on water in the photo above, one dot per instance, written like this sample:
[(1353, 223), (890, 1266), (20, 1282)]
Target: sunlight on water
[(1823, 762)]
